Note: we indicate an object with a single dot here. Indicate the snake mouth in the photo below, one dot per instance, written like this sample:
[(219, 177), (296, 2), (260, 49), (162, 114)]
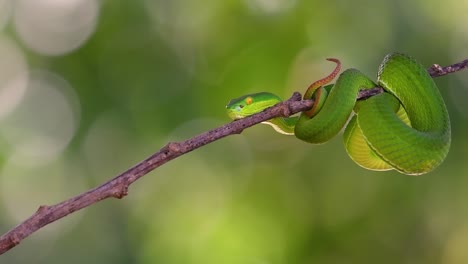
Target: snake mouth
[(234, 115)]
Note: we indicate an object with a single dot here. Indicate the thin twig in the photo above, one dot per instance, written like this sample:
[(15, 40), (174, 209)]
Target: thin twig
[(436, 70), (118, 186)]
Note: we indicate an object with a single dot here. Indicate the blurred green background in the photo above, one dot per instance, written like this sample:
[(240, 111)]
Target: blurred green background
[(88, 88)]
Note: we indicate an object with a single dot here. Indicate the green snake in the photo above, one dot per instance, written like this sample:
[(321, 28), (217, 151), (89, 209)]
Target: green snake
[(405, 128)]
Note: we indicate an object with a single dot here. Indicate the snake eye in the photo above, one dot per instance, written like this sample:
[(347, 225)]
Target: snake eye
[(248, 100)]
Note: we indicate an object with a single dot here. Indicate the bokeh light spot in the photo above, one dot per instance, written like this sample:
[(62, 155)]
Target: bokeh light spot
[(5, 12), (24, 188), (108, 147), (44, 122), (13, 76), (55, 27), (455, 248), (270, 6)]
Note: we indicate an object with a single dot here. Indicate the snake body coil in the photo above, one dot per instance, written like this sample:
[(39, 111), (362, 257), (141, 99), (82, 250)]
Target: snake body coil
[(406, 128)]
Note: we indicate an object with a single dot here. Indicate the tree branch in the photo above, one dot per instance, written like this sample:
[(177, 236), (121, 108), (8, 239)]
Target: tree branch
[(436, 70), (118, 186)]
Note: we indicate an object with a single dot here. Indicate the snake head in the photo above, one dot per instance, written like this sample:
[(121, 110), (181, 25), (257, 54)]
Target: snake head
[(250, 104)]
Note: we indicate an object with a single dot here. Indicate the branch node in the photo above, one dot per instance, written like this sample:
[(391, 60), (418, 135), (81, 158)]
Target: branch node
[(15, 239), (239, 132), (296, 96), (437, 68), (172, 148), (120, 190), (285, 108), (42, 209)]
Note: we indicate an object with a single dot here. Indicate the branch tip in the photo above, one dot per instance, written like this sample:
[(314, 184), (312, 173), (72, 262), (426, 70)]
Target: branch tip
[(436, 70)]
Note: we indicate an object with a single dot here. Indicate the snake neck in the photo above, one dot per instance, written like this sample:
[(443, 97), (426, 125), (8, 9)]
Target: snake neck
[(283, 125)]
